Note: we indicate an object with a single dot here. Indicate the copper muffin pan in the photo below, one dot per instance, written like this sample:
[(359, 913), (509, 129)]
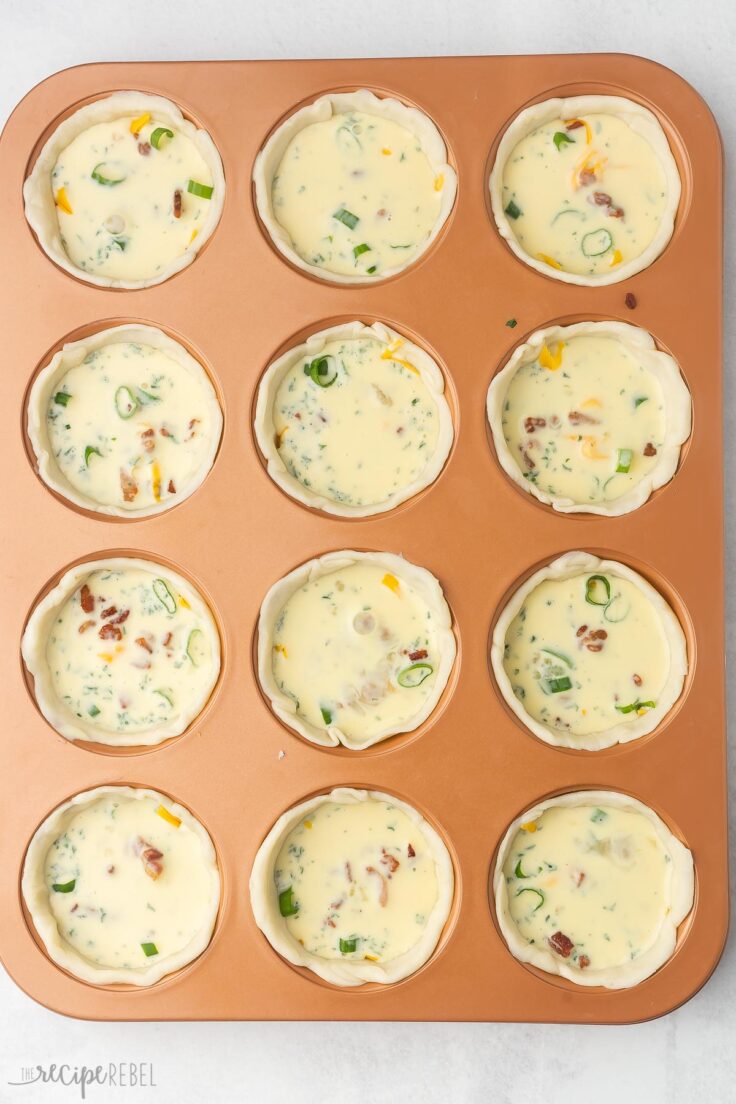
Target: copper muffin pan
[(471, 768)]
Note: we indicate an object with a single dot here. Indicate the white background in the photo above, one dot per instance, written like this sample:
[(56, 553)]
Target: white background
[(687, 1057)]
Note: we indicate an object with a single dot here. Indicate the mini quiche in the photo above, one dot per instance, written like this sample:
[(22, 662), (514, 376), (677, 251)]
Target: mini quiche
[(592, 886), (588, 654), (122, 652), (125, 192), (354, 421), (590, 418), (354, 647), (122, 885), (354, 885), (353, 188), (585, 190), (124, 422)]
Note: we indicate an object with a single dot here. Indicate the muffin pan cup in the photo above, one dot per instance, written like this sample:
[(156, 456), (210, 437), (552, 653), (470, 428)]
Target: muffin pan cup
[(474, 768)]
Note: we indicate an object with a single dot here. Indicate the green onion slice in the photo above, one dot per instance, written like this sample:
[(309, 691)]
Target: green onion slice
[(348, 946), (196, 647), (126, 403), (145, 398), (371, 270), (326, 714), (596, 243), (567, 211), (149, 949), (559, 655), (158, 134), (347, 218), (560, 139), (358, 249), (414, 675), (64, 887), (348, 139), (528, 889), (322, 370), (512, 323), (167, 695), (639, 400), (623, 463), (557, 685), (107, 175), (512, 210), (635, 706), (204, 191), (94, 711), (62, 398), (592, 594), (598, 815), (518, 872), (287, 904), (164, 595), (89, 452), (618, 609)]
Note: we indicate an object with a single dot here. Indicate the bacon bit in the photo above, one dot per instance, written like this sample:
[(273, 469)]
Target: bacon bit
[(128, 485), (390, 861), (637, 680), (582, 630), (348, 872), (576, 417), (578, 876), (86, 599), (111, 868), (649, 449), (330, 922), (122, 616), (410, 851), (109, 612), (85, 625), (171, 488), (167, 639), (143, 643), (530, 424), (574, 125), (74, 907), (594, 640), (583, 962), (144, 148), (192, 431), (177, 203), (150, 857), (603, 199), (421, 653), (528, 460), (147, 436), (560, 943), (109, 631), (630, 300), (383, 896), (587, 176), (165, 432), (381, 212)]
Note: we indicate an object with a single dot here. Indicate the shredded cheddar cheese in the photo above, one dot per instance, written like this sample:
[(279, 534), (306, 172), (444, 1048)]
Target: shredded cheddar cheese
[(551, 358), (137, 124), (183, 602), (391, 582), (530, 826), (616, 258), (439, 183), (62, 200), (588, 131), (546, 259), (169, 817)]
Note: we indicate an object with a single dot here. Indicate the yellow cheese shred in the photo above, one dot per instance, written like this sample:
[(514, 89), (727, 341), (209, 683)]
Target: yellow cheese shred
[(391, 582), (169, 817), (62, 200), (548, 260), (530, 826), (138, 124), (551, 358), (183, 602)]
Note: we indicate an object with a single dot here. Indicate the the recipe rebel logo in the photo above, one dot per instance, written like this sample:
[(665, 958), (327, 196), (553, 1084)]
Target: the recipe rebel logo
[(118, 1075)]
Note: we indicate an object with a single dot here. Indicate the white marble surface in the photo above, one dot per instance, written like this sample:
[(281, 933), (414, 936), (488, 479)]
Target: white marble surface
[(686, 1057)]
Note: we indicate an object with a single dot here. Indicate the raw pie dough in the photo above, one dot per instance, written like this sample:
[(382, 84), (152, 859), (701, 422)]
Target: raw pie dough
[(354, 885), (354, 647), (585, 190), (124, 422), (353, 188), (368, 429), (590, 418), (588, 654), (122, 886), (122, 651), (592, 886), (104, 192)]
